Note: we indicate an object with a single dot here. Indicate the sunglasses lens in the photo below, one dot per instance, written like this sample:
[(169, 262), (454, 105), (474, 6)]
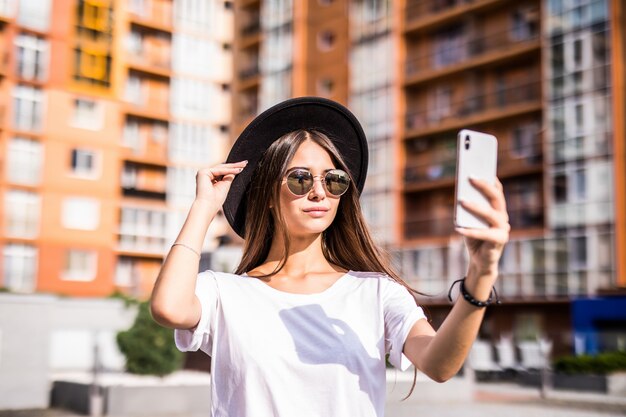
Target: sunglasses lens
[(300, 181), (337, 182)]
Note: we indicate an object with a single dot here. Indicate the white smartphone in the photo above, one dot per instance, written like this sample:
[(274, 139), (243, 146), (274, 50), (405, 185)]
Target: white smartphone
[(477, 156)]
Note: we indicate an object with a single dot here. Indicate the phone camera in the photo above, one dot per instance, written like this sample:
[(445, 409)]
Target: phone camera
[(467, 142)]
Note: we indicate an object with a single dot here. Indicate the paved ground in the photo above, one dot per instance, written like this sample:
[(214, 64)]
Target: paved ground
[(489, 400)]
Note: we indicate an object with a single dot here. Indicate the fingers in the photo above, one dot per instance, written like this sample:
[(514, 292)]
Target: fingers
[(494, 215), (223, 171), (494, 193), (495, 218), (494, 235)]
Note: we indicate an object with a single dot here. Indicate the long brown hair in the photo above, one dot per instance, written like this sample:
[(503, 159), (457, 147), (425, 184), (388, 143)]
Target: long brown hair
[(346, 243)]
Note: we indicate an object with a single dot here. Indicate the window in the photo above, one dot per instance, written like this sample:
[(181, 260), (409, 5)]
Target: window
[(449, 47), (20, 267), (28, 107), (132, 135), (326, 40), (22, 214), (558, 57), (192, 143), (85, 163), (580, 184), (95, 15), (93, 65), (525, 140), (440, 103), (80, 265), (34, 14), (578, 52), (81, 213), (579, 116), (525, 23), (578, 251), (325, 87), (126, 273), (7, 8), (32, 57), (560, 188), (24, 162), (88, 114)]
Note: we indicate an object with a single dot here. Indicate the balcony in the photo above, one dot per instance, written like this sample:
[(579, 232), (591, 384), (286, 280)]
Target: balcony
[(514, 100), (474, 53), (7, 10), (423, 225), (146, 142), (154, 15), (144, 181), (249, 28), (147, 99), (150, 54), (424, 14)]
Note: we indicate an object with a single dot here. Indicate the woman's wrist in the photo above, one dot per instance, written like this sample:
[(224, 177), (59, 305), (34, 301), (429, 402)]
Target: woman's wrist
[(480, 281), (207, 206)]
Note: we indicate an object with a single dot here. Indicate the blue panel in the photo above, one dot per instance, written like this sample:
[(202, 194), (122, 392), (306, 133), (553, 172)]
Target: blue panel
[(586, 312)]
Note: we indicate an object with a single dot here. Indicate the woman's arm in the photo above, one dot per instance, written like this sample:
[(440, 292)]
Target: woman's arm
[(441, 354), (173, 302)]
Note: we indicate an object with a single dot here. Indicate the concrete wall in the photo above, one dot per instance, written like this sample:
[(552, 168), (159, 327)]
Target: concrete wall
[(43, 334), (24, 345)]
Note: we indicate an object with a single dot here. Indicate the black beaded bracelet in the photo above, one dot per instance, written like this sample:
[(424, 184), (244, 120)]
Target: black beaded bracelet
[(470, 298)]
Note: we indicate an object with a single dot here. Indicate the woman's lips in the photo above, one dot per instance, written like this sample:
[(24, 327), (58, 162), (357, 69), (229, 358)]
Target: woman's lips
[(316, 211)]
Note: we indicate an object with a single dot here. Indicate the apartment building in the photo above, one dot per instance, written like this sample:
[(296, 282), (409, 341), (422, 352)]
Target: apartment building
[(106, 116), (545, 76), (539, 76)]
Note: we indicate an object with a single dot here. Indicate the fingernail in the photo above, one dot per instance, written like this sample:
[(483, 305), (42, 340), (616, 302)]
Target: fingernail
[(245, 162)]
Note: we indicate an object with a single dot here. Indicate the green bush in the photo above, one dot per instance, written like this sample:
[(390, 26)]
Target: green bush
[(601, 364), (148, 347)]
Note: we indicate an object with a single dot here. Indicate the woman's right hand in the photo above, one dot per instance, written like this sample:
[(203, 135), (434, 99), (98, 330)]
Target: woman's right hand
[(212, 184)]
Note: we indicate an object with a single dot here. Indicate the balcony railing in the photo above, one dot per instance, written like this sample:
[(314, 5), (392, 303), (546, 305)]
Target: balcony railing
[(155, 12), (441, 165), (467, 50), (419, 226), (520, 93), (421, 9), (7, 8), (249, 71), (252, 28)]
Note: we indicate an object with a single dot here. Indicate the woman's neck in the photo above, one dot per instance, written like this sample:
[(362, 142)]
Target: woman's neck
[(305, 256)]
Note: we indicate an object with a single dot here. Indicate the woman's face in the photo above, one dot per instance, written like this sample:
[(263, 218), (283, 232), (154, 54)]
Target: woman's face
[(313, 212)]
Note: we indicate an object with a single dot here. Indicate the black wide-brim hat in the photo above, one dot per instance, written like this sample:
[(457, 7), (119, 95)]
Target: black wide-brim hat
[(315, 113)]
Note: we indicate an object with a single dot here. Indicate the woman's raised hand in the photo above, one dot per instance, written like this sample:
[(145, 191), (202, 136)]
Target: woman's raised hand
[(485, 246), (212, 184)]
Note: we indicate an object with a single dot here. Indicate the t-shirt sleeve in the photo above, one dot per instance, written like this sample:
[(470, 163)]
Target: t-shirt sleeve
[(400, 313), (201, 337)]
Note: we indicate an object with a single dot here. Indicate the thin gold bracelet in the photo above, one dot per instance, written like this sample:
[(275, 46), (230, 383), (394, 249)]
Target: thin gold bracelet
[(188, 247)]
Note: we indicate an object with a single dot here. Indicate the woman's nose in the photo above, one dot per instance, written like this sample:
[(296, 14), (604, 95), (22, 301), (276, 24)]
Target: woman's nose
[(318, 190)]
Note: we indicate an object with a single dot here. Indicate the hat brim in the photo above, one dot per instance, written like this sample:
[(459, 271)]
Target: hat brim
[(317, 113)]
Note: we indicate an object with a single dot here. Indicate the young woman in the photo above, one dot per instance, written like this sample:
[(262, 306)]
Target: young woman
[(304, 324)]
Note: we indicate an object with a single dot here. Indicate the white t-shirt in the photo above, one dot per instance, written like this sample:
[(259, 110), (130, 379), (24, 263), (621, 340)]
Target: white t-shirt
[(275, 353)]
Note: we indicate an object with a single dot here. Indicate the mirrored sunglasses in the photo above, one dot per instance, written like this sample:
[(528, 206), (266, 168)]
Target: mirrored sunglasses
[(300, 181)]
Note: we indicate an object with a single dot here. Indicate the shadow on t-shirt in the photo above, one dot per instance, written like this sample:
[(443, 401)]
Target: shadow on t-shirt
[(320, 339)]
